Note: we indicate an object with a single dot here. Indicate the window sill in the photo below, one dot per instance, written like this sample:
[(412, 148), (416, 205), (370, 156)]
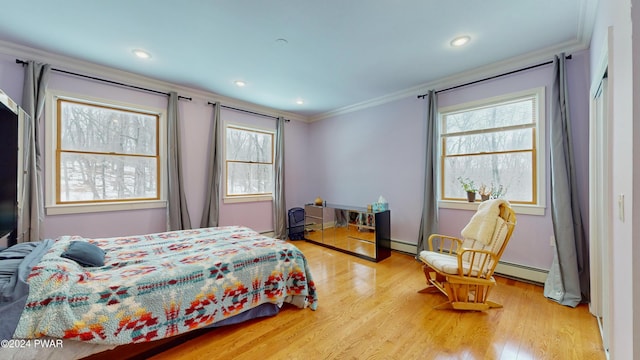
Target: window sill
[(91, 208), (538, 210), (250, 198)]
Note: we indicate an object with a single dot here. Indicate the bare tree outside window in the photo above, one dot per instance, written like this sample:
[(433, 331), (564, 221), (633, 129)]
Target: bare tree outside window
[(494, 145), (106, 154), (249, 159)]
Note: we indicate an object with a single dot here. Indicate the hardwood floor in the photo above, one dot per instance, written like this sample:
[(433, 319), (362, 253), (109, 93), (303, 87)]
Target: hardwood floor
[(374, 311)]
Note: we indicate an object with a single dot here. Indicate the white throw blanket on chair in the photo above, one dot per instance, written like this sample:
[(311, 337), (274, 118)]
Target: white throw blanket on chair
[(483, 222)]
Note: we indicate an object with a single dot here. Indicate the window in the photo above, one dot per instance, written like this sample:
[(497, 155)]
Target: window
[(104, 153), (249, 162), (494, 143)]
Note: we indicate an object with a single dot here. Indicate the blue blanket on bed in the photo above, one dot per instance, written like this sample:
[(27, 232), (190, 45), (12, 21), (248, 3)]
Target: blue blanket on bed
[(159, 285), (16, 263)]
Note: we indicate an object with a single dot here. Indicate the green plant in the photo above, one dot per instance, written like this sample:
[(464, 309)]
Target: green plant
[(467, 184), (498, 192)]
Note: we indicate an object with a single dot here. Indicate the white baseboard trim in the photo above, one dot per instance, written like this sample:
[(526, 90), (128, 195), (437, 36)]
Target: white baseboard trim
[(403, 247), (528, 273), (517, 271)]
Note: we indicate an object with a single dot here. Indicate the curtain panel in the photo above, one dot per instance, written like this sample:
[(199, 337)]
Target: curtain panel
[(429, 219), (177, 211), (31, 210), (211, 212), (568, 279), (279, 203)]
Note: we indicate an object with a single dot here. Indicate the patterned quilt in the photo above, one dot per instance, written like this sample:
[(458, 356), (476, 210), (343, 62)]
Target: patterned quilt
[(159, 285)]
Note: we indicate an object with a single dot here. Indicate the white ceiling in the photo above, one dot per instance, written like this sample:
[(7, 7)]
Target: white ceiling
[(338, 52)]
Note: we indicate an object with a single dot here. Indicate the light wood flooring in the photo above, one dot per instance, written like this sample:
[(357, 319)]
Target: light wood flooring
[(374, 311)]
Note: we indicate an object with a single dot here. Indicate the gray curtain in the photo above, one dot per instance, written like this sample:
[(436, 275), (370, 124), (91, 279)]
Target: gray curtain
[(279, 204), (31, 212), (211, 212), (429, 220), (177, 212), (568, 279)]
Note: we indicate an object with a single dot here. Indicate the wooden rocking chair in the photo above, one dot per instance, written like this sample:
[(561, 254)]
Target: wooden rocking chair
[(462, 269)]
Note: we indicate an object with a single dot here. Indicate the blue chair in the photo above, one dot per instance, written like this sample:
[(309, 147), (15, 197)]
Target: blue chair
[(296, 223)]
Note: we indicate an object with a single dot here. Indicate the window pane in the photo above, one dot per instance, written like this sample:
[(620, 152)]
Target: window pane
[(245, 179), (87, 177), (507, 114), (98, 129), (513, 171), (246, 145), (521, 139)]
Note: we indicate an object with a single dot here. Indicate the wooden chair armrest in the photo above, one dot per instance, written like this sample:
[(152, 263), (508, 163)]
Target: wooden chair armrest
[(448, 244)]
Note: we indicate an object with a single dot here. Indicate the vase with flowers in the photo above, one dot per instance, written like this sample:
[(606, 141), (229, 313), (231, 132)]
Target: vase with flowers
[(485, 192)]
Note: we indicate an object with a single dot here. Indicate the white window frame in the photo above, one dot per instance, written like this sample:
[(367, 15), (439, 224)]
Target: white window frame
[(51, 172), (540, 136), (230, 199)]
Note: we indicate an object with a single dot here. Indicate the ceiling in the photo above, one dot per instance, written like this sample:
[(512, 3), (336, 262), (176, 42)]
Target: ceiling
[(335, 53)]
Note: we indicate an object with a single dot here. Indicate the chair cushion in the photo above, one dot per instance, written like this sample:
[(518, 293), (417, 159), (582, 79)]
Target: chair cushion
[(444, 263)]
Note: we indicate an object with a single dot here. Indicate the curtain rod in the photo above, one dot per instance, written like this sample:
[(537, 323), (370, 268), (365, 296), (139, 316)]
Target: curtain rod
[(247, 111), (492, 77), (22, 62)]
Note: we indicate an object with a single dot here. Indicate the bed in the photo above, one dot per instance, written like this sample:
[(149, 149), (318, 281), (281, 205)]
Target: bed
[(148, 288)]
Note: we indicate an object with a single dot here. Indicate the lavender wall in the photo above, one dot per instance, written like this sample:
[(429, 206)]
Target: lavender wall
[(196, 118), (111, 223), (259, 215), (349, 159), (360, 155), (530, 244), (11, 77)]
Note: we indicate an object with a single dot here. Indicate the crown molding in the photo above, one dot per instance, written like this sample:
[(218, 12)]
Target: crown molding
[(475, 74), (586, 21), (87, 68)]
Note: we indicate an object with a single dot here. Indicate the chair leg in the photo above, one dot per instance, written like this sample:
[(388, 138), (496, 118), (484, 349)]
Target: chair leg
[(427, 272), (430, 276), (430, 287)]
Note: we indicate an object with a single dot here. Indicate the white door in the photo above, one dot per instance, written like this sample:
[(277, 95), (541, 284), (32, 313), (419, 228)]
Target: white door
[(599, 211)]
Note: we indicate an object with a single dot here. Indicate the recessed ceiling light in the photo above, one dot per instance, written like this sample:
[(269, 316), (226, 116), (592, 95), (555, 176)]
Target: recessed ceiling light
[(299, 101), (141, 54), (240, 83), (460, 40)]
